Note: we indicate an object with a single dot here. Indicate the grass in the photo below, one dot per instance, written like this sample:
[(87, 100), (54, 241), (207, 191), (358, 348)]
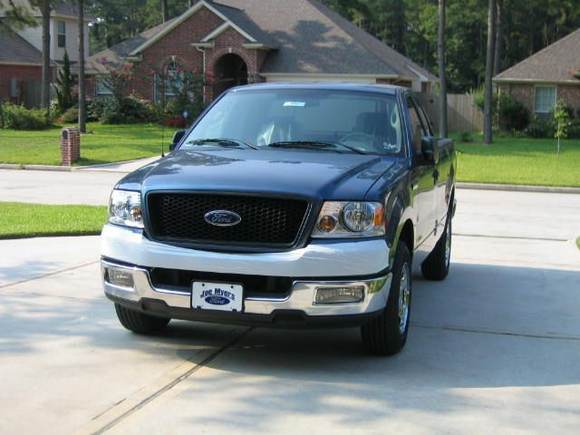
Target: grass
[(18, 220), (578, 242), (520, 161), (101, 144)]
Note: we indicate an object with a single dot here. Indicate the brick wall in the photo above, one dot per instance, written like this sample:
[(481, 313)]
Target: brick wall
[(571, 95), (525, 93), (178, 44)]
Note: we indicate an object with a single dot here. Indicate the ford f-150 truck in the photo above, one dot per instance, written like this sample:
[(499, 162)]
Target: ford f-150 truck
[(289, 205)]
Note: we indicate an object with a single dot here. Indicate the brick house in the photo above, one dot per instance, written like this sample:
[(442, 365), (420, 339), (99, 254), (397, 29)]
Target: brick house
[(231, 42), (21, 56), (551, 74)]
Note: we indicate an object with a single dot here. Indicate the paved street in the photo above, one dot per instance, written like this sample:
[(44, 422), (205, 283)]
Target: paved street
[(494, 348)]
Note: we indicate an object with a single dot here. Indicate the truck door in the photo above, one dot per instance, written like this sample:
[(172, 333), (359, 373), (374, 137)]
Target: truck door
[(443, 176), (422, 183)]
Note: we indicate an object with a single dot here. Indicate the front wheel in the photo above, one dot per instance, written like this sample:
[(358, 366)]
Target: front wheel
[(387, 333), (138, 322), (436, 265)]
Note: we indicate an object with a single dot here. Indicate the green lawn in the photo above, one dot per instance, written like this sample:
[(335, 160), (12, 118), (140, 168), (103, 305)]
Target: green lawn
[(520, 161), (101, 144), (578, 242), (19, 220)]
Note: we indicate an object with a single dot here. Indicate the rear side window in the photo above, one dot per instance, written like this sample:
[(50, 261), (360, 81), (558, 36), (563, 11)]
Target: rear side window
[(418, 129)]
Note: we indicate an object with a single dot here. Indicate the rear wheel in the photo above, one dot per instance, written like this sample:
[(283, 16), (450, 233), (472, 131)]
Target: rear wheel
[(138, 322), (436, 265), (387, 333)]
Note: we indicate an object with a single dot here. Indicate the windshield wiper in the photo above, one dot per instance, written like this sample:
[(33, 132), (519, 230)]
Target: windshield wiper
[(312, 144), (221, 141)]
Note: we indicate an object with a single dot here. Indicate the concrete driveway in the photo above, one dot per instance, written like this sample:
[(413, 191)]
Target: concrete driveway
[(494, 348)]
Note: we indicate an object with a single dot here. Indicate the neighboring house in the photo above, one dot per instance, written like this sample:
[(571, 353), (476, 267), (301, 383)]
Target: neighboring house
[(21, 56), (233, 42), (549, 75)]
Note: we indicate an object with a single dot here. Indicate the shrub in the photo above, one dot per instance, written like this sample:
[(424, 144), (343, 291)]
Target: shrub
[(71, 115), (540, 128), (129, 110), (574, 129), (465, 136), (512, 115), (21, 118), (96, 108)]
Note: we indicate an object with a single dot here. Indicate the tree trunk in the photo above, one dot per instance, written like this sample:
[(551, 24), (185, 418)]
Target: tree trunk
[(82, 99), (46, 79), (488, 93), (497, 66), (164, 10), (442, 79)]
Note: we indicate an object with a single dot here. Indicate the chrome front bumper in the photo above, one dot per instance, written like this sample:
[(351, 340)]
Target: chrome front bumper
[(300, 298)]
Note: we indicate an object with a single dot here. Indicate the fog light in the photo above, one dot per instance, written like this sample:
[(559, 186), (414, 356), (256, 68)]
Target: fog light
[(119, 277), (339, 295)]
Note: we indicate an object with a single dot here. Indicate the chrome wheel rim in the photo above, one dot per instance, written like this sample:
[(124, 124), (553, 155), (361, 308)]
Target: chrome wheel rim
[(404, 297), (448, 244)]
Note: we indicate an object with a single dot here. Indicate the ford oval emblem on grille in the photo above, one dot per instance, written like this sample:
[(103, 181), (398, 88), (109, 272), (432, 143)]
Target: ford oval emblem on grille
[(222, 218)]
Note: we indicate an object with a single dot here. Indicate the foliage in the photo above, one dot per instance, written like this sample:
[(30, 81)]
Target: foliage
[(574, 129), (512, 115), (561, 122), (466, 136), (540, 127), (188, 99), (20, 118), (32, 220), (64, 86), (71, 115), (128, 110)]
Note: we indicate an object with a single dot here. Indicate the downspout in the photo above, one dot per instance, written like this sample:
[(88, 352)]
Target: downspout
[(202, 51)]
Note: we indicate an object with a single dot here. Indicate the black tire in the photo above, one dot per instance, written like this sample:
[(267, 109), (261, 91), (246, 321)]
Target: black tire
[(436, 265), (387, 333), (138, 322)]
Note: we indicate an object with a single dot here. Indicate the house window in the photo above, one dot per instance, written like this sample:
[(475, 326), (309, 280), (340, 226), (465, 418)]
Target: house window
[(61, 34), (103, 87), (170, 84), (545, 99)]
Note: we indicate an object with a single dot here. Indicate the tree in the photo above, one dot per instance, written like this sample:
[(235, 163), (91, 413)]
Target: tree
[(64, 85), (45, 9), (82, 99), (488, 91), (164, 10), (561, 122), (497, 67), (442, 79)]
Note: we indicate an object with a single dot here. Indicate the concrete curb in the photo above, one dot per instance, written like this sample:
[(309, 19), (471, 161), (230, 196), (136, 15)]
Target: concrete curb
[(36, 167), (518, 188)]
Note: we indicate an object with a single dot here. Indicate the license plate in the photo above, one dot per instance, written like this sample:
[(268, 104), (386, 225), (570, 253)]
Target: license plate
[(217, 296)]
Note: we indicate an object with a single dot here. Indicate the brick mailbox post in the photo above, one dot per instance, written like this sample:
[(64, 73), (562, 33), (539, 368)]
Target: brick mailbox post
[(70, 146)]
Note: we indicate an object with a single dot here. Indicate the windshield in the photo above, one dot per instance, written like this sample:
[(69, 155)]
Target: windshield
[(321, 120)]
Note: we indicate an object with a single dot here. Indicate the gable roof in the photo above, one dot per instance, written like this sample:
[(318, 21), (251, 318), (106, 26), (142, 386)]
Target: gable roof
[(306, 37), (61, 9), (15, 49), (556, 63)]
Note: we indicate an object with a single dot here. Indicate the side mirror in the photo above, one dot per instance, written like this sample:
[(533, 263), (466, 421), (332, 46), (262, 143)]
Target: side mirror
[(429, 149), (177, 136)]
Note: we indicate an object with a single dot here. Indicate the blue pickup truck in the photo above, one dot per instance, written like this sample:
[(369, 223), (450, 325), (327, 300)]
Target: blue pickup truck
[(286, 205)]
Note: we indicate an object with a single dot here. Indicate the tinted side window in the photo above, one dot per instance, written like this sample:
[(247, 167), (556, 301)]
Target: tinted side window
[(418, 129), (426, 119)]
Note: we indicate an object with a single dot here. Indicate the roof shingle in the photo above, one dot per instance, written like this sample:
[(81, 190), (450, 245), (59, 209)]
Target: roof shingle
[(16, 49), (555, 63)]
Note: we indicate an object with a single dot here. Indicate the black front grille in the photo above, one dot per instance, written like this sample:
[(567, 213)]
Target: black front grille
[(254, 285), (179, 217)]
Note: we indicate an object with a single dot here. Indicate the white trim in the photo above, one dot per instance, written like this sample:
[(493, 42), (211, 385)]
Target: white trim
[(222, 28), (184, 17), (22, 64), (543, 82)]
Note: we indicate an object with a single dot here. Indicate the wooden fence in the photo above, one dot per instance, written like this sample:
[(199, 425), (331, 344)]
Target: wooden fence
[(462, 113)]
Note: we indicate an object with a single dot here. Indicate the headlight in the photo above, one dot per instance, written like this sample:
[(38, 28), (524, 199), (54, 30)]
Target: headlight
[(350, 219), (125, 208)]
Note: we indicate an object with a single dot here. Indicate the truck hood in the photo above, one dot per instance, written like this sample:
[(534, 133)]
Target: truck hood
[(317, 175)]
